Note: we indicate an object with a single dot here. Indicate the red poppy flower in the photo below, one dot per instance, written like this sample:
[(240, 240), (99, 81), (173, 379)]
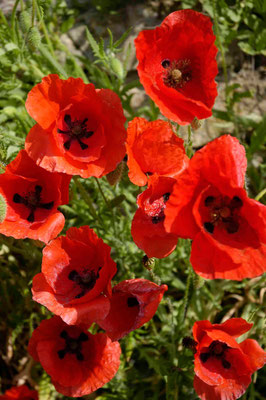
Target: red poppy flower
[(177, 65), (20, 393), (224, 367), (134, 302), (147, 228), (75, 282), (153, 147), (32, 195), (77, 361), (209, 205), (79, 130)]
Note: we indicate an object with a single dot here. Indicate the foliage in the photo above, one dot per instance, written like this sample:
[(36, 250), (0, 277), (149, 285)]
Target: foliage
[(154, 364)]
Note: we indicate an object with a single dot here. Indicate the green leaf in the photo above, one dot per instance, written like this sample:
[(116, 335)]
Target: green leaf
[(117, 200), (11, 47), (94, 45), (66, 25), (123, 37), (48, 56)]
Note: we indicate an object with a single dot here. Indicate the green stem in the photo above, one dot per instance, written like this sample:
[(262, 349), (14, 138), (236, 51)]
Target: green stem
[(13, 15), (78, 68), (33, 12), (45, 32), (85, 196), (107, 204), (189, 142), (21, 5), (186, 296), (102, 193), (3, 18), (2, 165), (217, 31), (260, 195)]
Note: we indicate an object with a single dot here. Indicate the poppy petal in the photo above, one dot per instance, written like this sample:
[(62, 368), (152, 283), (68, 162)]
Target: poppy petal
[(137, 300), (256, 355), (231, 390)]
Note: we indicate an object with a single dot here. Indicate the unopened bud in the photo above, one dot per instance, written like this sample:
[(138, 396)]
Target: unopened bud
[(147, 262), (25, 21), (117, 67), (34, 38), (196, 124), (115, 176), (2, 209)]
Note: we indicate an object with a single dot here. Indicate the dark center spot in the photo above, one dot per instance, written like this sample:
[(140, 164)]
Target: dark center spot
[(148, 173), (166, 196), (85, 280), (165, 63), (76, 130), (72, 345), (158, 218), (217, 350), (32, 200), (132, 302), (223, 211), (177, 73)]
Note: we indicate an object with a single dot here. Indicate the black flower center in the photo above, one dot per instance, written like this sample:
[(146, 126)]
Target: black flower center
[(72, 345), (76, 130), (177, 73), (217, 350), (85, 280), (32, 200), (132, 302), (223, 212)]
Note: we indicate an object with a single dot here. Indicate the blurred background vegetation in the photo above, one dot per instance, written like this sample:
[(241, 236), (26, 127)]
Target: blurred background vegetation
[(70, 38)]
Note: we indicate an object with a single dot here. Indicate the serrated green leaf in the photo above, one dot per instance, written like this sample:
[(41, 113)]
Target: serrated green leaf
[(123, 37), (48, 56), (94, 45)]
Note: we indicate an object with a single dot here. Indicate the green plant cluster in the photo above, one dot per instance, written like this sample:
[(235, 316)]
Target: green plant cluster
[(154, 364)]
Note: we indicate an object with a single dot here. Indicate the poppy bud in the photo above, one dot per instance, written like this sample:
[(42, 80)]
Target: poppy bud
[(34, 38), (147, 262), (117, 67), (2, 208), (196, 124), (25, 21), (115, 176)]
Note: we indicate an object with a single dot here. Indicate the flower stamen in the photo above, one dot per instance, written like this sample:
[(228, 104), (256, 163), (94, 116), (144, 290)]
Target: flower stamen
[(223, 212), (86, 280), (72, 345), (77, 130), (177, 74), (32, 200)]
